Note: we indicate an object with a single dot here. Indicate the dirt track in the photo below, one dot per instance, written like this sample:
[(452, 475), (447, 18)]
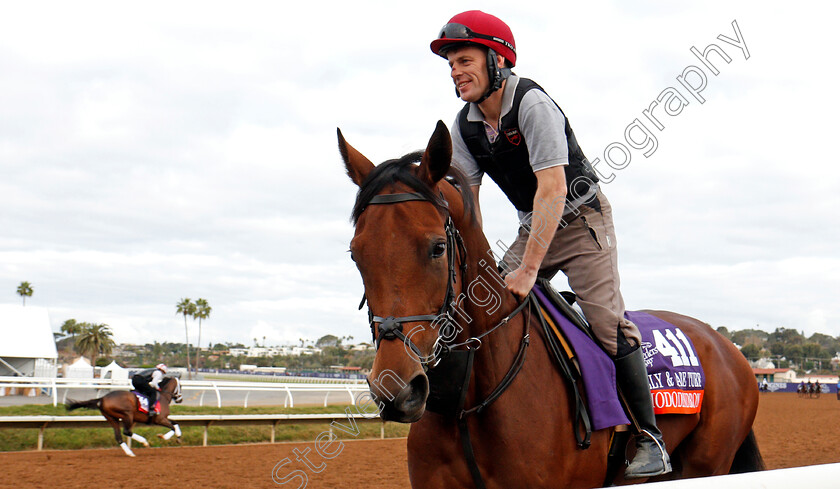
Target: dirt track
[(363, 463)]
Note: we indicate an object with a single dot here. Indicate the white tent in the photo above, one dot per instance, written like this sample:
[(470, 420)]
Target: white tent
[(80, 369), (27, 345), (114, 372)]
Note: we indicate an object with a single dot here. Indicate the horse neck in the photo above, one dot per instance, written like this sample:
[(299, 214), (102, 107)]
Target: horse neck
[(171, 387), (485, 304)]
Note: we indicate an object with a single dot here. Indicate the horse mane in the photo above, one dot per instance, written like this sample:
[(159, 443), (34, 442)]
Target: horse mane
[(400, 170), (165, 382)]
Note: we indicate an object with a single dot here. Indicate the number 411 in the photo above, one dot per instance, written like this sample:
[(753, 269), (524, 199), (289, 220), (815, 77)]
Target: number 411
[(680, 356)]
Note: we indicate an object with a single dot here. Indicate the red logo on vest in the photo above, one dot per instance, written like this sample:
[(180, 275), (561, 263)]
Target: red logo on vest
[(513, 136)]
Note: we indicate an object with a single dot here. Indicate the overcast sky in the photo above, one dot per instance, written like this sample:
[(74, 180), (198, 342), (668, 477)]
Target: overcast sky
[(164, 150)]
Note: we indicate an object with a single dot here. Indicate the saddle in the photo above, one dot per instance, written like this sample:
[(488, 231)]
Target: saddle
[(675, 375), (143, 403)]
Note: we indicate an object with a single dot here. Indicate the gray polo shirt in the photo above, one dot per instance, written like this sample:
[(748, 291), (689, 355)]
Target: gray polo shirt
[(541, 124)]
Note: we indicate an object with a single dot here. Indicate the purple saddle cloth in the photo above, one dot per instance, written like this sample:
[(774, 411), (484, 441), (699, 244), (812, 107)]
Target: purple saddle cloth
[(675, 375), (597, 371)]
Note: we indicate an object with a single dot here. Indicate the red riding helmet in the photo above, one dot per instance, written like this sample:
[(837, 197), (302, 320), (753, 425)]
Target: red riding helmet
[(474, 26)]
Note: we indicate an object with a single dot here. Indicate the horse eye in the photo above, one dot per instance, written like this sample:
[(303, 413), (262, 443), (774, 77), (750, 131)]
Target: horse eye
[(438, 249)]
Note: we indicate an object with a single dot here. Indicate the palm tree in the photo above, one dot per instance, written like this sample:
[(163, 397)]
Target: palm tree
[(202, 311), (25, 290), (71, 328), (187, 308), (94, 339)]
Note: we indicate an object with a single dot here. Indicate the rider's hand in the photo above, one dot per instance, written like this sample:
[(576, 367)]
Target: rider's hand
[(521, 281)]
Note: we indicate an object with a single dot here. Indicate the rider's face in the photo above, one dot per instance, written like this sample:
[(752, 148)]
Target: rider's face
[(469, 72)]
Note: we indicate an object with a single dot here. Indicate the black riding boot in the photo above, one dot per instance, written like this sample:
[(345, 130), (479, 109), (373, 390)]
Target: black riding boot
[(651, 458), (152, 400)]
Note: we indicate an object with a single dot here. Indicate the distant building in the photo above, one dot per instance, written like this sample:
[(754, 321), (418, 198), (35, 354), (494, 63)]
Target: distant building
[(298, 351), (273, 351), (822, 379), (774, 374), (788, 375), (27, 345), (763, 363)]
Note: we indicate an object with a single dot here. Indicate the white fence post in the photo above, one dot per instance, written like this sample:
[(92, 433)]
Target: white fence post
[(218, 395), (291, 399), (41, 436)]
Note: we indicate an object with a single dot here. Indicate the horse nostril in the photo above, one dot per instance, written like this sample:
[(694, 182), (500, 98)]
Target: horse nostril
[(418, 390)]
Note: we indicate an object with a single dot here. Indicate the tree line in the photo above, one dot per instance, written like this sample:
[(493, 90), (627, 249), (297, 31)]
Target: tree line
[(334, 351), (787, 348)]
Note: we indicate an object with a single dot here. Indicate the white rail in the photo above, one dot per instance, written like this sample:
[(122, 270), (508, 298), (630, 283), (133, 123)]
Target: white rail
[(205, 420), (811, 477), (52, 386)]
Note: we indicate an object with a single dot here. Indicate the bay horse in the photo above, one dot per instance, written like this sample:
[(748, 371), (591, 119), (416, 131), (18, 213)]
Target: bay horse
[(122, 407), (422, 255)]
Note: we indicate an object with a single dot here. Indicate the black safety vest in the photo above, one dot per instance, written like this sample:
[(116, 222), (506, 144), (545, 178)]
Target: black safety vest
[(145, 374), (507, 162)]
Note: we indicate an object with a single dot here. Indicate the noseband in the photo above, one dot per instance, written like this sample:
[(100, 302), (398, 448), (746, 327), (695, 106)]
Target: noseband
[(391, 327)]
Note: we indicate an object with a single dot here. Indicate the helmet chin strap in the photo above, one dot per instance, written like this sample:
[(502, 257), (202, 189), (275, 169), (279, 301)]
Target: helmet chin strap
[(496, 74)]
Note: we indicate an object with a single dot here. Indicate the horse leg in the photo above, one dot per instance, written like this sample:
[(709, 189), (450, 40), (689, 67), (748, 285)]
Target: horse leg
[(114, 422), (134, 436), (174, 429)]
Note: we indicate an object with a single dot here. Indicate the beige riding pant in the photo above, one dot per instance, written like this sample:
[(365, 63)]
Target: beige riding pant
[(585, 250)]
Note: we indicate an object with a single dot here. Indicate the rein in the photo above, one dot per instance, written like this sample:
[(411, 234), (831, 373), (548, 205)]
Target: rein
[(391, 328)]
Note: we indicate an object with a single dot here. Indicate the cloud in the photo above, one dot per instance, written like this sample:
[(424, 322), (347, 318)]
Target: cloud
[(149, 157)]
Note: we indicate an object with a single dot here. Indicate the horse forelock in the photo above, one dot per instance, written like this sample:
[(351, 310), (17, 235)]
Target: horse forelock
[(402, 170)]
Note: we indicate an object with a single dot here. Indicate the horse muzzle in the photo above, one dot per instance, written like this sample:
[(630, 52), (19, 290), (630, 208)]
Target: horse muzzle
[(407, 405)]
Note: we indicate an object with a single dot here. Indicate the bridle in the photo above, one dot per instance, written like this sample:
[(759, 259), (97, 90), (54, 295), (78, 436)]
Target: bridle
[(175, 395), (391, 328)]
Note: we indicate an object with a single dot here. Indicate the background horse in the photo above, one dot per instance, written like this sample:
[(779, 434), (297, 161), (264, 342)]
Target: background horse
[(122, 407), (413, 270)]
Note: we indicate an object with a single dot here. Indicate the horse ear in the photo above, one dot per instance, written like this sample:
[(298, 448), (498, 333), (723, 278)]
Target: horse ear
[(438, 155), (358, 167)]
